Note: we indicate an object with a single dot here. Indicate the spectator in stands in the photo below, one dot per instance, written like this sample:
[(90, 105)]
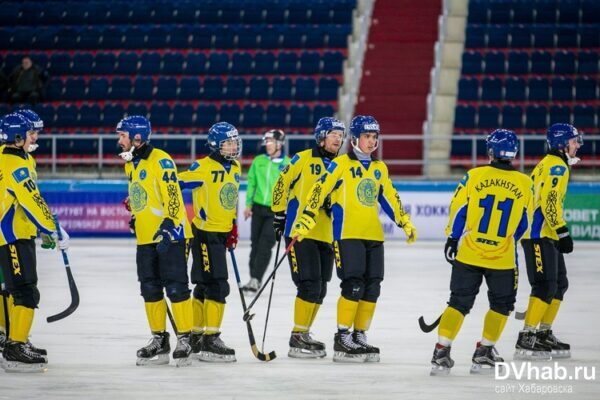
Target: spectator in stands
[(3, 86), (26, 83)]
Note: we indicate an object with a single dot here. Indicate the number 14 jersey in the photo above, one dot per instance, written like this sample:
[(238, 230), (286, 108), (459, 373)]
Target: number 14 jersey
[(490, 211)]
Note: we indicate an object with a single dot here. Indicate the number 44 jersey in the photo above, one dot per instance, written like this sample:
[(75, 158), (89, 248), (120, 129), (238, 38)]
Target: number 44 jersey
[(490, 211)]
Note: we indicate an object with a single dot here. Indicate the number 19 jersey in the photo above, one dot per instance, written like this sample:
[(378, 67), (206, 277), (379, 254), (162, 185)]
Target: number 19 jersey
[(489, 213)]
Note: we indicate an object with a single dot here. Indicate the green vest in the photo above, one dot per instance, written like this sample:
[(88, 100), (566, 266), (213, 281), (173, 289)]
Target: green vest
[(262, 176)]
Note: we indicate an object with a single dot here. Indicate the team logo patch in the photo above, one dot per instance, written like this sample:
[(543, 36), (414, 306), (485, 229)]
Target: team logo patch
[(194, 166), (228, 196), (138, 198), (21, 174), (165, 163), (143, 174), (236, 176), (558, 170), (377, 174), (366, 192)]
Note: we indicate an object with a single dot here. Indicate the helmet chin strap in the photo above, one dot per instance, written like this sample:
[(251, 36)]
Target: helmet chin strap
[(127, 155), (354, 143), (32, 147), (572, 160)]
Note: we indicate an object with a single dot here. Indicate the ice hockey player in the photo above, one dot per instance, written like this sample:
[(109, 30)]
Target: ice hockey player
[(161, 230), (262, 175), (356, 184), (489, 213), (23, 212), (549, 240), (311, 260), (214, 181)]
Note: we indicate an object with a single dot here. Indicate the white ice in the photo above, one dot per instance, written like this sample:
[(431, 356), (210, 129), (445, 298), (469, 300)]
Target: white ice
[(92, 352)]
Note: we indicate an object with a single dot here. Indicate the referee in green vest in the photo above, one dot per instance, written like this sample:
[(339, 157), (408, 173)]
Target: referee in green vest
[(262, 176)]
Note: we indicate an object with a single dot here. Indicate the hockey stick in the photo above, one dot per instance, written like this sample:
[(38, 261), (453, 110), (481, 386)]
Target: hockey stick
[(4, 293), (170, 315), (247, 315), (428, 328), (261, 356), (262, 347), (72, 286), (520, 315)]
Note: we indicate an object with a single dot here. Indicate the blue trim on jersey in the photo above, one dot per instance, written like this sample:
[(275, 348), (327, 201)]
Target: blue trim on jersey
[(537, 223), (7, 225), (337, 213), (458, 226), (366, 164), (295, 159), (385, 205), (522, 227), (35, 221), (190, 184), (329, 165), (195, 165), (292, 211), (202, 214)]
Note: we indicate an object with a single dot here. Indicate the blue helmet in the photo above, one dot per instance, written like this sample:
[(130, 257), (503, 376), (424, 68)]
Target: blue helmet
[(136, 125), (363, 124), (33, 117), (326, 125), (502, 144), (220, 133), (558, 136), (15, 127), (1, 134)]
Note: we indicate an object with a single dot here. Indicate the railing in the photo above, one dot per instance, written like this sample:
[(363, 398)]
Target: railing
[(102, 158)]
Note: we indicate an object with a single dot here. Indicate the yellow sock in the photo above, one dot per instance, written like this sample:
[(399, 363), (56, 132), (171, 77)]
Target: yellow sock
[(182, 314), (2, 318), (450, 323), (364, 315), (303, 312), (346, 312), (550, 313), (21, 319), (493, 325), (198, 311), (314, 314), (213, 316), (156, 311), (535, 311)]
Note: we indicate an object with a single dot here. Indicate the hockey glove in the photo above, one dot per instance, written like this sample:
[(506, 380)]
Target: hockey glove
[(164, 235), (126, 203), (232, 237), (303, 225), (565, 241), (132, 225), (450, 249), (47, 242), (62, 240), (410, 231), (279, 224)]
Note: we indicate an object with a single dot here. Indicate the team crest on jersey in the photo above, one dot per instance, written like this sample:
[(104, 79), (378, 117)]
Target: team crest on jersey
[(377, 174), (138, 198), (143, 174), (228, 196), (21, 174), (558, 170), (366, 192), (165, 163), (236, 176)]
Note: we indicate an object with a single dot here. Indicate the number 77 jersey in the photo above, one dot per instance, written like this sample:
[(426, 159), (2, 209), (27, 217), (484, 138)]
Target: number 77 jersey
[(490, 211)]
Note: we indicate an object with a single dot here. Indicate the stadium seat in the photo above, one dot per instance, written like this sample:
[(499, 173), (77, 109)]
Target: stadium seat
[(66, 38), (60, 64), (515, 89), (472, 63), (212, 89), (587, 62), (321, 111), (491, 89), (66, 116), (518, 63), (541, 62), (241, 64), (539, 89), (149, 64), (494, 63), (97, 88), (253, 116), (475, 36), (183, 116), (172, 64), (328, 89), (488, 117), (134, 37), (89, 115), (104, 64), (287, 63), (498, 36), (160, 114), (120, 89), (281, 89), (218, 64), (264, 63), (536, 117), (276, 115), (201, 37), (112, 114), (543, 36), (332, 62), (310, 63), (235, 88), (464, 117), (166, 88), (143, 88), (206, 115), (126, 64), (230, 113), (156, 38), (300, 116), (468, 89), (562, 89), (305, 89), (560, 114), (137, 109), (54, 89), (82, 63), (179, 37), (196, 64), (586, 89), (74, 89), (566, 36), (520, 37), (564, 62), (89, 38), (259, 89), (512, 117), (189, 88), (589, 36), (584, 117)]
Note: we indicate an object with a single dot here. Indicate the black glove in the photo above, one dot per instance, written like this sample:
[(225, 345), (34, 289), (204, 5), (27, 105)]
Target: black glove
[(279, 224), (565, 241), (132, 225), (450, 249), (165, 235)]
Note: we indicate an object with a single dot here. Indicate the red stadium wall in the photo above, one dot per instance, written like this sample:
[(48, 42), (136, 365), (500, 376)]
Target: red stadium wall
[(395, 80)]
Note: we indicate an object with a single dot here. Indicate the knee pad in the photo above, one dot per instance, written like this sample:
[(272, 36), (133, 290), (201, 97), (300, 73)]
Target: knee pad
[(323, 292), (563, 285), (217, 290), (177, 291), (26, 296), (545, 290), (353, 289), (309, 291), (372, 290), (151, 291), (462, 302), (199, 292)]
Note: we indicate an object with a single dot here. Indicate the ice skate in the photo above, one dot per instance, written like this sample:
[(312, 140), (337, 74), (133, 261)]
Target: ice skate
[(183, 351), (558, 348), (441, 363), (156, 352), (529, 348), (302, 345), (346, 350), (252, 286), (19, 358), (196, 339), (372, 352), (214, 350), (485, 359)]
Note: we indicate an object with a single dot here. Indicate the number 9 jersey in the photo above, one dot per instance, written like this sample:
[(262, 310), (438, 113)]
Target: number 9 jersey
[(490, 211)]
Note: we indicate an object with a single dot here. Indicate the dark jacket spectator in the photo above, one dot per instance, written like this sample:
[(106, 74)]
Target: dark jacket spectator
[(26, 83)]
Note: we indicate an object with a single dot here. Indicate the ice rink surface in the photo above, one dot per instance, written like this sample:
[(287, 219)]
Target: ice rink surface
[(92, 352)]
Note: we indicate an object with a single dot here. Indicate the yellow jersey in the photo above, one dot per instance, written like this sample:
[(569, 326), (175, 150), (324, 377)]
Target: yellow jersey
[(550, 179), (154, 195), (23, 210), (292, 187), (489, 213), (357, 188), (215, 184)]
